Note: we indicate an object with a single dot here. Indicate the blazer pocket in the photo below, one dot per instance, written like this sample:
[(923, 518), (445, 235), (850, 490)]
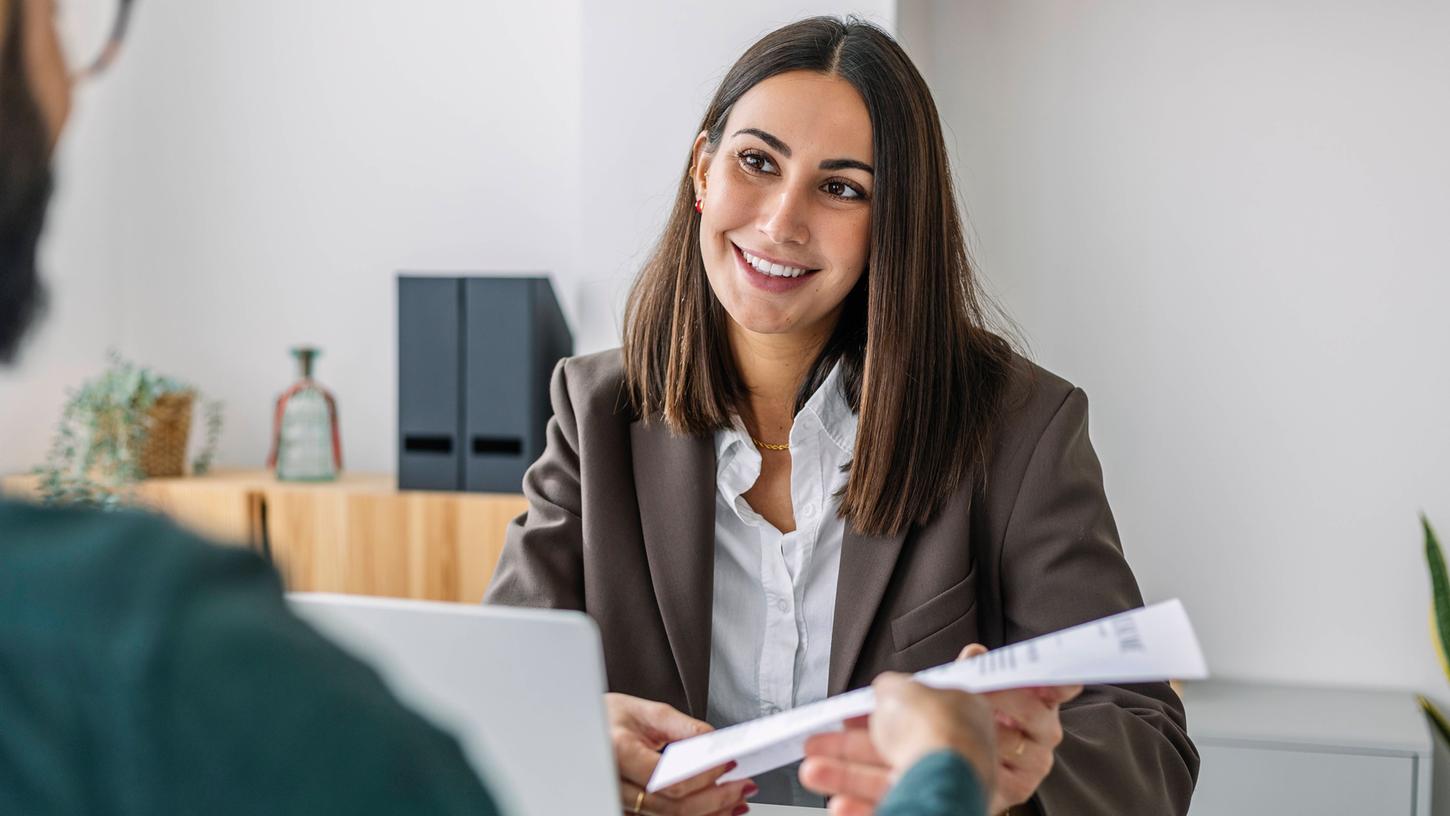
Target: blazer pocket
[(944, 609)]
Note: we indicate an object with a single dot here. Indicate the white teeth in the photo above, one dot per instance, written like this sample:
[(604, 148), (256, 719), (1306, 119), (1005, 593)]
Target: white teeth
[(767, 268)]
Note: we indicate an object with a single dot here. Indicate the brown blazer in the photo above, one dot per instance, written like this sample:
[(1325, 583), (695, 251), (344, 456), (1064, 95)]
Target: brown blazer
[(621, 525)]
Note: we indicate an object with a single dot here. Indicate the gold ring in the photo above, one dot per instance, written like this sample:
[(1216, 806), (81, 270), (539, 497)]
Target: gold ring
[(1021, 746), (638, 803)]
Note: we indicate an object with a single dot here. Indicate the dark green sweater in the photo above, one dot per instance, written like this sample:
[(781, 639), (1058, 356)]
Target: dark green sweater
[(143, 671), (939, 784)]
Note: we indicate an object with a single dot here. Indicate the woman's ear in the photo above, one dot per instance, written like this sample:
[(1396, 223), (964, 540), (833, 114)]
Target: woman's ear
[(700, 163)]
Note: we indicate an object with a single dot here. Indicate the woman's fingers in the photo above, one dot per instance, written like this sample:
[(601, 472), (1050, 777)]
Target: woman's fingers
[(1018, 752), (1026, 710), (637, 763), (635, 759), (972, 650), (664, 723), (725, 798), (706, 780), (639, 729), (1028, 730), (715, 799), (1058, 694), (655, 723)]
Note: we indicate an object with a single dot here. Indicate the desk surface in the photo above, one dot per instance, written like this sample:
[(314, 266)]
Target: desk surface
[(1260, 712)]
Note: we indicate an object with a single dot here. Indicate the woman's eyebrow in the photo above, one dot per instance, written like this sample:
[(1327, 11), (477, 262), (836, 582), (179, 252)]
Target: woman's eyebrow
[(767, 138), (828, 164), (846, 164)]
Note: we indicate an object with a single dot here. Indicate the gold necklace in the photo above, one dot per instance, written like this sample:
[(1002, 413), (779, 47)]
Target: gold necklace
[(770, 447)]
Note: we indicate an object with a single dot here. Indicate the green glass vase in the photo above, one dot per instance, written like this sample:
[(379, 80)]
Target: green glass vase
[(305, 441)]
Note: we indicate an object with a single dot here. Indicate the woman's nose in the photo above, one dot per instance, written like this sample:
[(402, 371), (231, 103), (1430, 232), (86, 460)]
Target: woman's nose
[(785, 223)]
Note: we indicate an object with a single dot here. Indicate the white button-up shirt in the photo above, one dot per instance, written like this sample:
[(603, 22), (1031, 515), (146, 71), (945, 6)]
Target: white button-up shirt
[(775, 593)]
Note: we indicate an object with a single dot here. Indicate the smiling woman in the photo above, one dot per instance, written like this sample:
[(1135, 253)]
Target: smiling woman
[(813, 461), (786, 170)]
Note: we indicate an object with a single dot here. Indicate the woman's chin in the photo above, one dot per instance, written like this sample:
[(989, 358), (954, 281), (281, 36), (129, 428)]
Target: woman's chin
[(763, 321), (778, 325)]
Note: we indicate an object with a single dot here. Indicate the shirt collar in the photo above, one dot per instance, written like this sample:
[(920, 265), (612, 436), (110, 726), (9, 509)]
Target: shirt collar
[(826, 409), (831, 410)]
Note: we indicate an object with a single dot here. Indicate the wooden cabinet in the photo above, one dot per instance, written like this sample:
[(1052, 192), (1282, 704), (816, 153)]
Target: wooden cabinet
[(359, 535)]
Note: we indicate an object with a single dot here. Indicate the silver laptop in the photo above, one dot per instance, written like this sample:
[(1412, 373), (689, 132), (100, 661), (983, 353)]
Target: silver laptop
[(521, 689)]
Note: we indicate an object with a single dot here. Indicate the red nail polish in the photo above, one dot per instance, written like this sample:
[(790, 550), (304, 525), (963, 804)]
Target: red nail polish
[(740, 810), (731, 765), (751, 789)]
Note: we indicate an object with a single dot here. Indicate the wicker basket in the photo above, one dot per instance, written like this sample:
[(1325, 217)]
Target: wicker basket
[(168, 426)]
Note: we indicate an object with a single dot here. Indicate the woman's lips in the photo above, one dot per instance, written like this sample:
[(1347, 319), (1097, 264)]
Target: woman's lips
[(768, 283)]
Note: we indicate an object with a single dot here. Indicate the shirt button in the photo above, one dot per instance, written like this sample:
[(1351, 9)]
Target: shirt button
[(772, 708), (809, 511), (782, 605)]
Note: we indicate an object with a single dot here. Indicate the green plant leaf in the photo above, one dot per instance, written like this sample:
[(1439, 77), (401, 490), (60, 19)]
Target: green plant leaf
[(1436, 717), (1440, 587)]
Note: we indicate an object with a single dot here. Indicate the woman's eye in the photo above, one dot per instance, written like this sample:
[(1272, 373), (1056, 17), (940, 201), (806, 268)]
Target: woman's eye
[(756, 162), (841, 189)]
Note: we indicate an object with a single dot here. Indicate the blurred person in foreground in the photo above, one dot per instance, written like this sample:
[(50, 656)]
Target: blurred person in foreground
[(145, 671), (142, 670)]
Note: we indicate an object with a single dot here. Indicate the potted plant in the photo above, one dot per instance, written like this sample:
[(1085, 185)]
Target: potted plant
[(124, 425)]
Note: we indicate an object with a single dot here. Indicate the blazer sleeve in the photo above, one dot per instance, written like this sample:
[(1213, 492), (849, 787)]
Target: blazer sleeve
[(542, 564), (1125, 749)]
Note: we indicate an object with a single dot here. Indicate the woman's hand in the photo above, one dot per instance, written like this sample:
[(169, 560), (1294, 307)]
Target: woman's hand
[(846, 764), (640, 729), (1028, 731)]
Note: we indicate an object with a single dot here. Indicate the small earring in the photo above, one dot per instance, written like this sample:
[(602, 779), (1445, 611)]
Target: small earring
[(699, 205)]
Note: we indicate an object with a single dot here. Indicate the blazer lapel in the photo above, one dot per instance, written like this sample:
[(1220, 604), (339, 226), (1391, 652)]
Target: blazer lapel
[(674, 477), (866, 566)]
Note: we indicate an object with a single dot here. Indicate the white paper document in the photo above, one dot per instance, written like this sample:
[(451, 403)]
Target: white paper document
[(1142, 645)]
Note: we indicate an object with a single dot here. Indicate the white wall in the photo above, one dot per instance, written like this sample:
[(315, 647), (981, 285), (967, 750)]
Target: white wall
[(255, 173), (288, 159), (1226, 221)]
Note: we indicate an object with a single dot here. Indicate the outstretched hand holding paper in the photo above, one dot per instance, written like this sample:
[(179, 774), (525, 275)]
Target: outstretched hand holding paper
[(1142, 645)]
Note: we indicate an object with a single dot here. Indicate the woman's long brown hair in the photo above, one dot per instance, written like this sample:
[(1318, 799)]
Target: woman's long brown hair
[(919, 365)]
